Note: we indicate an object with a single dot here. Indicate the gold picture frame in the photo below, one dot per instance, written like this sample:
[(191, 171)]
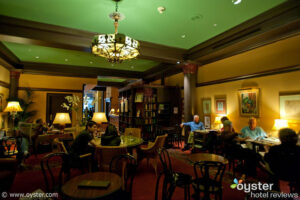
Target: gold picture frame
[(249, 102)]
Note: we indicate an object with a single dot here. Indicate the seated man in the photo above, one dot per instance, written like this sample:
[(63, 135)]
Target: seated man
[(233, 149), (84, 140), (84, 143), (194, 125), (283, 159), (252, 131)]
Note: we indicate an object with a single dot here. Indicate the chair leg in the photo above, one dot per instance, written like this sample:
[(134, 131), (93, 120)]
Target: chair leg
[(154, 164)]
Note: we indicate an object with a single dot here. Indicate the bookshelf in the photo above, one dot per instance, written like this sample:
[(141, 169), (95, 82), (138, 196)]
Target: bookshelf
[(147, 107)]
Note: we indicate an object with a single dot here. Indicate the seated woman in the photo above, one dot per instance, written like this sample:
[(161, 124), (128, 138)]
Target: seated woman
[(233, 149), (110, 137), (283, 159)]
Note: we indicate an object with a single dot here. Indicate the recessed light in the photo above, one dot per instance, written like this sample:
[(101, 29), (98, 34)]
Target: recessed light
[(183, 36), (37, 57), (215, 25), (66, 60), (178, 62), (235, 2), (161, 9)]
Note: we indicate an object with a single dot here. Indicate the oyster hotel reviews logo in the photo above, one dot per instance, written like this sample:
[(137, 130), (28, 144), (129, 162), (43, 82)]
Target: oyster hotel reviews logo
[(260, 190)]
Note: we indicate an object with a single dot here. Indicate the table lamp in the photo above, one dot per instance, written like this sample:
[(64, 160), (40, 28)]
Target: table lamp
[(218, 122), (279, 124), (13, 107), (99, 118), (62, 119)]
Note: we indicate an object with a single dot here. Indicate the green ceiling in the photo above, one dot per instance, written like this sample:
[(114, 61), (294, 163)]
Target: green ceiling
[(41, 54), (116, 80), (197, 20)]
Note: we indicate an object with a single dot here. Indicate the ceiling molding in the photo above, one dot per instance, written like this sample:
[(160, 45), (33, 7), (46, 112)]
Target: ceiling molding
[(4, 84), (278, 23), (7, 58), (49, 89), (75, 71), (112, 84), (35, 33), (249, 76), (162, 70)]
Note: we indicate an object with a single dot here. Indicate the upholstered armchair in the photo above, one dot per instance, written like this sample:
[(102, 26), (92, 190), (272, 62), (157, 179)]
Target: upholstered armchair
[(151, 151)]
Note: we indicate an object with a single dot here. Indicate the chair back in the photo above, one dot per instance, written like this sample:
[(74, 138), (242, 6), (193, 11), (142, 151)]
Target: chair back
[(168, 186), (60, 146), (26, 129), (125, 166), (136, 132), (10, 146), (165, 160), (210, 171), (104, 155), (48, 164)]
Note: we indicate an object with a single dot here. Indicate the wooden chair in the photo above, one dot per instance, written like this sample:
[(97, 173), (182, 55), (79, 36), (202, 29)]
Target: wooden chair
[(125, 166), (180, 179), (48, 163), (210, 181), (151, 151), (168, 186), (104, 155), (60, 147), (136, 132)]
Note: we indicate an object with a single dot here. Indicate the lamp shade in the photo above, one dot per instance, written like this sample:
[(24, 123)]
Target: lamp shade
[(99, 117), (218, 120), (62, 118), (280, 123), (13, 106)]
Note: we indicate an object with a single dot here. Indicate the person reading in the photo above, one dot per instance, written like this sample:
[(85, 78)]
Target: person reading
[(233, 149), (194, 125), (252, 130)]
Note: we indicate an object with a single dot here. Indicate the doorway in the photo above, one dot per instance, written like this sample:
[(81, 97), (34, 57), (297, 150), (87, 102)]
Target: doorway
[(54, 102)]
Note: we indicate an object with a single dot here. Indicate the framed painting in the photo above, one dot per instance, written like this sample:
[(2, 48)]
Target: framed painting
[(206, 106), (249, 102), (1, 102), (289, 107), (207, 122), (220, 104)]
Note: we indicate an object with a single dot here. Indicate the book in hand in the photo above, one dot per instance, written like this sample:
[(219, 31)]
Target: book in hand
[(93, 184)]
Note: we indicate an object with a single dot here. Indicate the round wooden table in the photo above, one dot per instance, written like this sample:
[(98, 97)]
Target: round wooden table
[(71, 190), (196, 157), (126, 141)]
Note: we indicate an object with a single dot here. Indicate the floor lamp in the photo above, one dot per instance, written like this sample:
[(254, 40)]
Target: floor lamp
[(13, 107)]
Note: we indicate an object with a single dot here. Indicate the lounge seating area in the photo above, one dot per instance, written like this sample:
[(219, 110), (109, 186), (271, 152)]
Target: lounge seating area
[(149, 100)]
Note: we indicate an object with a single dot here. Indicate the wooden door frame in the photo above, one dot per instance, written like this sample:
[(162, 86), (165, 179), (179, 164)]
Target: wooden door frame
[(48, 105)]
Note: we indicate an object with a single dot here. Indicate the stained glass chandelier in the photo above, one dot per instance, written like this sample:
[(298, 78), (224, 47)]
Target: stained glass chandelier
[(115, 47)]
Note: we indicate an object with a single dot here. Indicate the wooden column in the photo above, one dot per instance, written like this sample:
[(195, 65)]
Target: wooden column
[(190, 80), (14, 84)]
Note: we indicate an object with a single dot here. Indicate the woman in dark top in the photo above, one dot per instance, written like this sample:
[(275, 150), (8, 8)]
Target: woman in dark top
[(234, 150), (284, 159)]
